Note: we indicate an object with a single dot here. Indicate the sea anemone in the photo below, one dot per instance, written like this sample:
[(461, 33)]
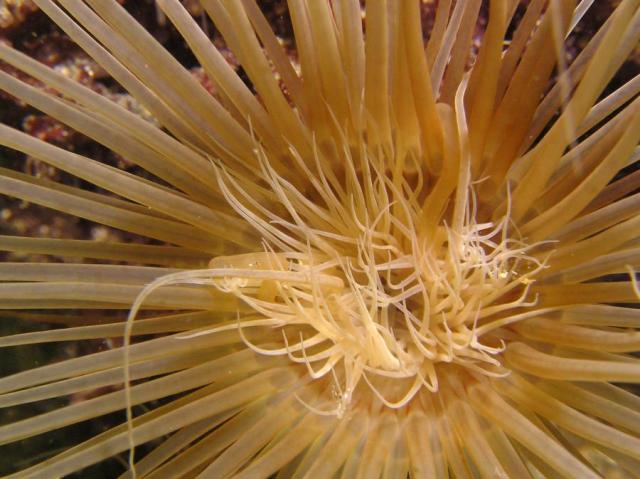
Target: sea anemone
[(385, 258)]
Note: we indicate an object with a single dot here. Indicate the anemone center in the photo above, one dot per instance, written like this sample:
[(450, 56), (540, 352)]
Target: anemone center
[(378, 308), (370, 275)]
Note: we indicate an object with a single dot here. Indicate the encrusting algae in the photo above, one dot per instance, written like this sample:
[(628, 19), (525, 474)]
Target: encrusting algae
[(380, 262)]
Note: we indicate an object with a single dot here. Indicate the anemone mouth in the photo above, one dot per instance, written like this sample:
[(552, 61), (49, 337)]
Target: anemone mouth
[(400, 279), (372, 294)]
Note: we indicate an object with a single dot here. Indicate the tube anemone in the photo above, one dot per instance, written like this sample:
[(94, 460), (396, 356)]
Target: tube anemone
[(390, 258)]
